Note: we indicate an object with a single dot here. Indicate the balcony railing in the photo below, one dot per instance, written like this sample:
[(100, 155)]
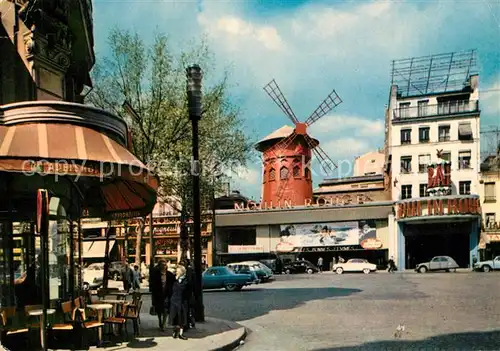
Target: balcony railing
[(441, 109)]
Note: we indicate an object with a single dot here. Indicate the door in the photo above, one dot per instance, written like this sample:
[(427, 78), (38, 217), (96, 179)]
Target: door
[(496, 263), (435, 264), (210, 279)]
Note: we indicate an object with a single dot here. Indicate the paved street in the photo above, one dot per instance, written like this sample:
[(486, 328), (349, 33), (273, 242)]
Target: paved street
[(331, 312)]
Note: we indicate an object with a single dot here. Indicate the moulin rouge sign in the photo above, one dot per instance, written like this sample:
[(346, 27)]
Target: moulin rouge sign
[(439, 207)]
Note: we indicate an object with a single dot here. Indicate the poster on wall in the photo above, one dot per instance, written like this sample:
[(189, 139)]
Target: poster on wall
[(326, 234)]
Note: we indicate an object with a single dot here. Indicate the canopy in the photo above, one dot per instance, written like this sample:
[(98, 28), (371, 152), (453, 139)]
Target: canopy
[(114, 182), (96, 249)]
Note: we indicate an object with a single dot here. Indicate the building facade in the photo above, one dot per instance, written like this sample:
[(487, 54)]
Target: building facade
[(433, 154), (489, 191)]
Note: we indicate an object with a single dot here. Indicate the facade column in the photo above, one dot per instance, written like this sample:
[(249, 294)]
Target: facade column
[(401, 242), (474, 241), (209, 253)]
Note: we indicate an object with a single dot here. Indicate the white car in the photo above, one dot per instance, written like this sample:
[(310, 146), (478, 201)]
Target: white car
[(355, 265), (486, 266), (93, 276)]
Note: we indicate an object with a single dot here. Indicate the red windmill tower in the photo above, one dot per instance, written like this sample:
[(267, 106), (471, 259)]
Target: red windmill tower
[(287, 152)]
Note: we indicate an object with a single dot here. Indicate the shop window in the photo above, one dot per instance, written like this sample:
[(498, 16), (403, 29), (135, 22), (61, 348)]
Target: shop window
[(406, 192), (489, 192), (284, 173), (464, 187), (405, 164), (464, 159), (296, 171), (423, 162), (444, 133), (272, 174), (423, 190), (405, 136), (423, 134)]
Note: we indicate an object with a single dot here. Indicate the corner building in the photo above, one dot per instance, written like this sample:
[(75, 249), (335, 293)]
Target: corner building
[(432, 155)]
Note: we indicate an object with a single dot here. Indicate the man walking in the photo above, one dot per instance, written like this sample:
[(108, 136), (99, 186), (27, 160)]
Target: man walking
[(320, 264), (392, 265)]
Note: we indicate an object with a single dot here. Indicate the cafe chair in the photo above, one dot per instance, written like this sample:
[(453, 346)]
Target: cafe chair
[(10, 331), (66, 327), (133, 311)]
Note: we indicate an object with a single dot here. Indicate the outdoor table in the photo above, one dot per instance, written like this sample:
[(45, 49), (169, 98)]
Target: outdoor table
[(39, 313), (115, 303), (118, 294), (100, 307)]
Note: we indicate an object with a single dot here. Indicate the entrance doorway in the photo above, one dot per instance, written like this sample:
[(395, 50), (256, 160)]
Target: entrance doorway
[(423, 241)]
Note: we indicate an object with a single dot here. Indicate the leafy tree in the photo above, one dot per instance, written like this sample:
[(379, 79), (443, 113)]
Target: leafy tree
[(151, 79)]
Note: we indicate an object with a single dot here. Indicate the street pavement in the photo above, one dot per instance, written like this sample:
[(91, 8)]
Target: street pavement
[(381, 311)]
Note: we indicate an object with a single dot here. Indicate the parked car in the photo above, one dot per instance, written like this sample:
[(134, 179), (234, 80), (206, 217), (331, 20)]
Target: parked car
[(438, 263), (116, 269), (241, 268), (222, 277), (302, 266), (263, 272), (355, 265), (486, 266), (93, 276)]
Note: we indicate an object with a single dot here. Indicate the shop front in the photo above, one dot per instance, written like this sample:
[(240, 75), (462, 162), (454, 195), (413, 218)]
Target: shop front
[(60, 162), (327, 230), (438, 226)]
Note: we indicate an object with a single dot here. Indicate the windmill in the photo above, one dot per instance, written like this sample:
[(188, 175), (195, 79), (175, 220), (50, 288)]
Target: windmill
[(299, 132)]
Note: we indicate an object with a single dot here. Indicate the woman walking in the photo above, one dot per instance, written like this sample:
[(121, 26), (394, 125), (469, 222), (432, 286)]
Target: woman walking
[(179, 302), (161, 288)]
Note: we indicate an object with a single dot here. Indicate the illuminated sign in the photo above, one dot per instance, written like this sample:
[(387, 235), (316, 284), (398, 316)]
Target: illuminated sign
[(371, 244), (439, 207)]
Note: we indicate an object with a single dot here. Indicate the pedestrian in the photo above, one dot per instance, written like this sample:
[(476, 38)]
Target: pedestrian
[(179, 303), (136, 278), (320, 264), (162, 281), (392, 265), (127, 278), (191, 302)]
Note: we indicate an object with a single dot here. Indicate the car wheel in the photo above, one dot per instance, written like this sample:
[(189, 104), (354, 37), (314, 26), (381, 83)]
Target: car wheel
[(309, 271), (486, 268), (287, 271), (366, 271), (86, 286), (231, 287), (339, 270), (116, 276), (422, 269), (238, 288)]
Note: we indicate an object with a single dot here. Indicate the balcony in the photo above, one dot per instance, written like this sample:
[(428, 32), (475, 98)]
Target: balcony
[(441, 109)]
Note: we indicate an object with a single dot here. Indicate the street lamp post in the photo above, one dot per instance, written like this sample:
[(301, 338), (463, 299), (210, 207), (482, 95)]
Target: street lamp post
[(194, 77)]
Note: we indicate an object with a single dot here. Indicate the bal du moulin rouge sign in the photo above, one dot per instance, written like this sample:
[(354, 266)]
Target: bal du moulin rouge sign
[(439, 207)]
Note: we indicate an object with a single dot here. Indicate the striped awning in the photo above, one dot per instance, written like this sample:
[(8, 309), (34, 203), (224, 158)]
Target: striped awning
[(120, 184)]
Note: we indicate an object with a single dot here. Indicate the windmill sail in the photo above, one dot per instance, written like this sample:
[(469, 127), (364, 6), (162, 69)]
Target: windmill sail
[(330, 102), (273, 90)]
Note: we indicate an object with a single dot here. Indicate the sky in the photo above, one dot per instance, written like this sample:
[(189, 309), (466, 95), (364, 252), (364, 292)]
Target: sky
[(312, 47)]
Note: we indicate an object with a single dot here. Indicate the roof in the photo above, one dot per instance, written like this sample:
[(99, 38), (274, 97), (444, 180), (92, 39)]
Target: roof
[(278, 134)]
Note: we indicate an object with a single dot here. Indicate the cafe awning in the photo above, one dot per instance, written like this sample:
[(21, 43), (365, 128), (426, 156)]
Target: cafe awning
[(96, 249), (114, 182)]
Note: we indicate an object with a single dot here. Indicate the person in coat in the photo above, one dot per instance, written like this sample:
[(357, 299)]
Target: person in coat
[(191, 302), (127, 278), (179, 302), (162, 281)]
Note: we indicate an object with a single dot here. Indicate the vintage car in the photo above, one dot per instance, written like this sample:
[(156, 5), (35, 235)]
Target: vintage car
[(301, 266), (93, 276), (222, 277), (487, 266), (438, 263), (355, 265), (242, 268), (264, 273)]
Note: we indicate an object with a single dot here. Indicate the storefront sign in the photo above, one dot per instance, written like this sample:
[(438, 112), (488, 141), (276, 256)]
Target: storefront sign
[(245, 248), (331, 248), (439, 207), (371, 244), (285, 247), (333, 201), (494, 237)]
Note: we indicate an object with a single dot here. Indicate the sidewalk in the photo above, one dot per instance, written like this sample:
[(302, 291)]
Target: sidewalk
[(213, 334)]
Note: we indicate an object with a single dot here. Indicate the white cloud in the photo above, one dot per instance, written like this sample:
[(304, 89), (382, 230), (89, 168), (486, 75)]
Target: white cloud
[(490, 101), (339, 124)]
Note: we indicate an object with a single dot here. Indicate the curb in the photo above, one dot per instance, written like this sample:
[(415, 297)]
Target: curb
[(235, 343)]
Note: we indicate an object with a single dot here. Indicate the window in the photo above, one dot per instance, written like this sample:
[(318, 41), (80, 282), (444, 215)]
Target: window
[(296, 171), (423, 134), (404, 110), (446, 155), (465, 131), (423, 162), (283, 173), (423, 190), (422, 108), (406, 192), (464, 187), (464, 159), (405, 164), (444, 133), (489, 192), (264, 177), (405, 136), (272, 174), (490, 220), (308, 173)]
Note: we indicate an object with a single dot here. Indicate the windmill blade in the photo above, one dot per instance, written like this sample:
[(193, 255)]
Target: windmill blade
[(282, 144), (331, 101), (326, 162), (273, 90), (282, 187)]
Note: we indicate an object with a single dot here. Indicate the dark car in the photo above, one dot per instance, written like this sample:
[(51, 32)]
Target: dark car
[(116, 269), (300, 267)]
